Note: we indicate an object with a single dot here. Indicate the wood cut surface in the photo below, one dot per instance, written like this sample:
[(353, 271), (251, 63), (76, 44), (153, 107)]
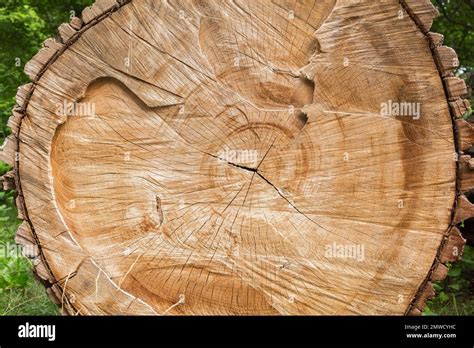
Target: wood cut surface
[(240, 157)]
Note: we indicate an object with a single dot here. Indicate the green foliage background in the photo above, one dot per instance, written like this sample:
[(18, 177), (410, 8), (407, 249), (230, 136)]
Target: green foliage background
[(25, 24)]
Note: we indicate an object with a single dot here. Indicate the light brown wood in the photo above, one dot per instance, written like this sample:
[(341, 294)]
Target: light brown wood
[(447, 59), (436, 39), (427, 293), (465, 209), (460, 107), (465, 134), (76, 23), (241, 157), (423, 13), (440, 271), (452, 247), (66, 31), (466, 174), (455, 87)]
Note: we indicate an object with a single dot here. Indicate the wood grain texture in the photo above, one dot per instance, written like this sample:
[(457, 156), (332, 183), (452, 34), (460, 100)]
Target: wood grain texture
[(465, 134), (190, 157), (459, 107), (447, 59)]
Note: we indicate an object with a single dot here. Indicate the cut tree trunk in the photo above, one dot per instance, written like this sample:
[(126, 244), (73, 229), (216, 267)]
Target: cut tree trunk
[(242, 157)]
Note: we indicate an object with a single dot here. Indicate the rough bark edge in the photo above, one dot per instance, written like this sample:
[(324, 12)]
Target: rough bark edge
[(422, 12), (68, 33)]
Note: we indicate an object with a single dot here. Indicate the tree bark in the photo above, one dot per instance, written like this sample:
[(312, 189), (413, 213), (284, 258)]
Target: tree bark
[(242, 157)]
